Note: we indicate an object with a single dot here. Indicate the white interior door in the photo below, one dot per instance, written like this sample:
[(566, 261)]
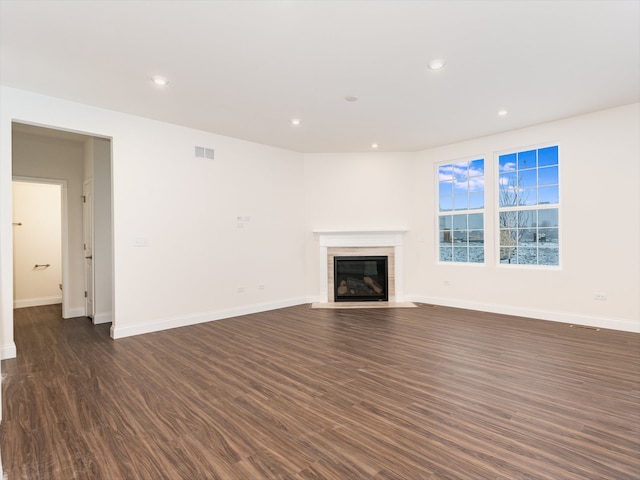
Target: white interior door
[(87, 232)]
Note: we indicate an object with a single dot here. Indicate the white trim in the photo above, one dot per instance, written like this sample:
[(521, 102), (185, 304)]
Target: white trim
[(362, 238), (8, 351), (574, 319), (99, 318), (37, 302), (186, 320)]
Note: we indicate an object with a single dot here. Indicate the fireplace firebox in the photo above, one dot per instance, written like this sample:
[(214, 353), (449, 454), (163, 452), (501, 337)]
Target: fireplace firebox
[(360, 279)]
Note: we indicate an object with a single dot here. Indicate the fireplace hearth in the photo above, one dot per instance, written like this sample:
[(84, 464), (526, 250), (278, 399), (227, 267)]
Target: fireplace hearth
[(361, 278)]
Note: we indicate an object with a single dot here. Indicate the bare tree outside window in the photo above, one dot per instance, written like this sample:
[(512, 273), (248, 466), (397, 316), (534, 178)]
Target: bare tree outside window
[(512, 222)]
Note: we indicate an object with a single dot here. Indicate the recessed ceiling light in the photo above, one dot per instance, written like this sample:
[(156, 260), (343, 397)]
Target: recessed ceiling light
[(160, 80), (374, 145), (502, 113), (351, 98), (436, 64), (295, 121)]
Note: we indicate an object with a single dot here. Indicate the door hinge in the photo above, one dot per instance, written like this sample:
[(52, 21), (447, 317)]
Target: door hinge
[(84, 199), (85, 294)]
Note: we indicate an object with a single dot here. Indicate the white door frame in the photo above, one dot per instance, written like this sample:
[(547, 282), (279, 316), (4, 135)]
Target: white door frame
[(88, 243), (64, 233)]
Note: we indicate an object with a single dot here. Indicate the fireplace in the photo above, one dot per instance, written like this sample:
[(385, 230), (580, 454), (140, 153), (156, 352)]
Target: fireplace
[(360, 278), (371, 243)]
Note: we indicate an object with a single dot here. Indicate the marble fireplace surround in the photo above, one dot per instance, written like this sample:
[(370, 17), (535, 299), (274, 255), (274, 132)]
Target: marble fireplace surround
[(361, 242)]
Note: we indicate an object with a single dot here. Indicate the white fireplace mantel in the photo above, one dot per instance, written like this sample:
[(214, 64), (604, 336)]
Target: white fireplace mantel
[(361, 238)]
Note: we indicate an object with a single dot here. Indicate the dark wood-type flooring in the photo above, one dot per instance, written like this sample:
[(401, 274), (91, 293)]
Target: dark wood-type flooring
[(301, 393)]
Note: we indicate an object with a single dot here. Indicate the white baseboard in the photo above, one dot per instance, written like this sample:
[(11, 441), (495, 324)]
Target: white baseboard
[(8, 350), (183, 321), (99, 318), (574, 319), (37, 302)]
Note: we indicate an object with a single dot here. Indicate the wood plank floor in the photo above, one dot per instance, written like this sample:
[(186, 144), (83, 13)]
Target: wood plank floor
[(301, 393)]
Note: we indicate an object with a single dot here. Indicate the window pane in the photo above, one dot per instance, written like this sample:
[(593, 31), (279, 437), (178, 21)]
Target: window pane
[(476, 201), (460, 222), (445, 188), (445, 172), (527, 159), (460, 237), (460, 254), (548, 176), (507, 163), (528, 256), (508, 180), (446, 254), (445, 222), (548, 236), (461, 171), (476, 237), (508, 237), (476, 184), (446, 204), (548, 156), (548, 195), (476, 255), (549, 256), (461, 202), (527, 178), (445, 237), (527, 218), (475, 221), (508, 255), (548, 217), (527, 236), (476, 168), (508, 197), (508, 219), (529, 196), (461, 187)]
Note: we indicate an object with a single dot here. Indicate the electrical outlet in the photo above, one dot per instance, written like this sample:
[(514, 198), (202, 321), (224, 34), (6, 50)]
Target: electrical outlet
[(599, 296), (261, 287), (140, 242), (446, 283), (240, 290)]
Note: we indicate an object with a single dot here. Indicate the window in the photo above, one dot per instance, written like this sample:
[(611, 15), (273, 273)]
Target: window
[(461, 211), (529, 207)]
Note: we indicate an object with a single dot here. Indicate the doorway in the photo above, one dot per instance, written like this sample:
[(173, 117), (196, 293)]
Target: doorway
[(38, 243), (82, 161)]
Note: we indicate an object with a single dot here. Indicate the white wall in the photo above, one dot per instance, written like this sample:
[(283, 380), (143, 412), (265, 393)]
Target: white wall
[(38, 156), (186, 208), (600, 228), (37, 241)]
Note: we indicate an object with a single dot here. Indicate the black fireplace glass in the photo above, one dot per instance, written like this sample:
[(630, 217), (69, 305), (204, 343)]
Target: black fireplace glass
[(360, 279)]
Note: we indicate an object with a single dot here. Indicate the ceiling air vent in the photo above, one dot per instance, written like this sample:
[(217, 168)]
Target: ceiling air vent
[(202, 152)]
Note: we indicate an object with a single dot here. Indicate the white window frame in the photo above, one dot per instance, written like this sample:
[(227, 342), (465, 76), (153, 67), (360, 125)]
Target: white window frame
[(537, 207), (467, 211)]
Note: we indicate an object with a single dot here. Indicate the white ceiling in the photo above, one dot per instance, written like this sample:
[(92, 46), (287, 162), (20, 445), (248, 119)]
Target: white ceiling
[(245, 68)]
